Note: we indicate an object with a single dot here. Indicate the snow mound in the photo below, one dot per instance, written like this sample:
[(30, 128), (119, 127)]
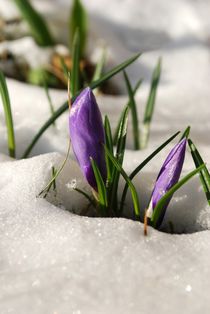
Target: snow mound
[(64, 263)]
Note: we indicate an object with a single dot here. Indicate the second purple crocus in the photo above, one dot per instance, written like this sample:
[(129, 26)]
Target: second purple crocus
[(87, 135), (168, 176)]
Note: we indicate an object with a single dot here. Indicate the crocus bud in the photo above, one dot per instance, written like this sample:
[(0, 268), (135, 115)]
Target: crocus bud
[(87, 135), (168, 176)]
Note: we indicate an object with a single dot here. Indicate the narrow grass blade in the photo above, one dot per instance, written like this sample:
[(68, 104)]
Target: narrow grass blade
[(185, 133), (57, 172), (121, 140), (8, 115), (49, 101), (128, 181), (78, 21), (120, 149), (109, 144), (36, 23), (136, 87), (54, 170), (64, 107), (114, 71), (65, 69), (118, 127), (138, 84), (141, 166), (75, 64), (85, 195), (160, 209), (99, 66), (134, 114), (150, 105), (108, 134), (152, 94), (102, 195), (204, 173), (53, 184)]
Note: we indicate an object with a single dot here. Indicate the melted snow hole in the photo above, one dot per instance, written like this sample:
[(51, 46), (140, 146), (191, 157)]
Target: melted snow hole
[(188, 211)]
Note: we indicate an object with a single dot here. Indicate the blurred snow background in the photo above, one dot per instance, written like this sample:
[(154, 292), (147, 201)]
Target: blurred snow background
[(52, 261)]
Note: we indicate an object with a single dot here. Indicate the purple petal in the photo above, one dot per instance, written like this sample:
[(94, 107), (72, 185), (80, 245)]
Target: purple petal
[(87, 135), (169, 173)]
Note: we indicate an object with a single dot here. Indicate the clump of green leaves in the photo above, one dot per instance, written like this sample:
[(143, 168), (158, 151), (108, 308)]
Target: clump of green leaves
[(107, 201)]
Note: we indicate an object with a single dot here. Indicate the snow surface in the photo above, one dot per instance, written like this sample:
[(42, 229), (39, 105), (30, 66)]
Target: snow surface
[(53, 261)]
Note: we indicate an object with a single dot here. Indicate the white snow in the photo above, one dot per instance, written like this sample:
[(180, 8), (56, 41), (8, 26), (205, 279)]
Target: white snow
[(27, 50), (54, 261)]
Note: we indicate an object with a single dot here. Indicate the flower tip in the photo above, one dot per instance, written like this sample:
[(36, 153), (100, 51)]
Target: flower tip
[(87, 95), (87, 91)]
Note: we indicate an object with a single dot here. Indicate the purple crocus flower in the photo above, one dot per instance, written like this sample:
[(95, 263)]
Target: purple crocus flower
[(87, 135), (168, 176)]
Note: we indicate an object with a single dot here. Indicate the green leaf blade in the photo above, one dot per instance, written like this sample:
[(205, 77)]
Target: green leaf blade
[(121, 139), (150, 104), (204, 173), (114, 71), (78, 21), (138, 84), (134, 193), (109, 144), (102, 195), (75, 73), (85, 195), (56, 173), (36, 23), (120, 150), (133, 108), (99, 66), (185, 134), (52, 110), (8, 115)]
